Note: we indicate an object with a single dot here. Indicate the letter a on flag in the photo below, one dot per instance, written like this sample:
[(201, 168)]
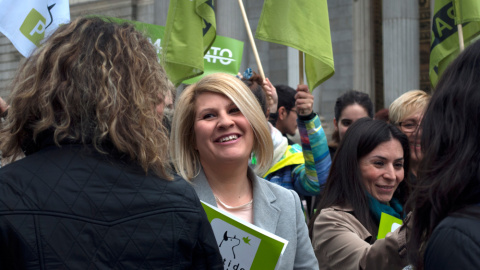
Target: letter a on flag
[(303, 25), (26, 23), (189, 33), (445, 44)]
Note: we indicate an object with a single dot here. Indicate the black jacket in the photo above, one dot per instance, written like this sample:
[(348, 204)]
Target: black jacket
[(455, 242), (74, 208)]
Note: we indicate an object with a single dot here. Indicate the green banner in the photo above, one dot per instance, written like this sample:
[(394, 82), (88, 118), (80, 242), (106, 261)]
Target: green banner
[(445, 42), (225, 54)]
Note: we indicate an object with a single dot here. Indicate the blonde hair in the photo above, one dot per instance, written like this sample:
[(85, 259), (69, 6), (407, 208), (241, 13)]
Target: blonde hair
[(185, 158), (406, 104), (94, 82)]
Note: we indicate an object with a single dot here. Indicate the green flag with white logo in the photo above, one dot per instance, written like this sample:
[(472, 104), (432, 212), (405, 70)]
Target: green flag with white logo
[(189, 33), (225, 54), (303, 25), (445, 42)]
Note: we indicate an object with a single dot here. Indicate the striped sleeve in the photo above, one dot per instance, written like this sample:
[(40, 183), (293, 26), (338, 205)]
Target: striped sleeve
[(310, 176)]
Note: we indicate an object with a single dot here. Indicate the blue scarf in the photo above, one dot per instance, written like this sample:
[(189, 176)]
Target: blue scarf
[(376, 208)]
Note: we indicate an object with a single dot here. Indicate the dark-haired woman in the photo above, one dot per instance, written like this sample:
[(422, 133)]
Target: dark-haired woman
[(364, 181), (349, 107), (446, 200)]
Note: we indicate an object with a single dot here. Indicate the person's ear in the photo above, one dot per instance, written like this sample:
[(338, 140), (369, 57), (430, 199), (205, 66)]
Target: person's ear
[(282, 113), (335, 124)]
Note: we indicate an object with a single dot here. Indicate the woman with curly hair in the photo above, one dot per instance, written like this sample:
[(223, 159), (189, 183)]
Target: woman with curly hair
[(94, 190)]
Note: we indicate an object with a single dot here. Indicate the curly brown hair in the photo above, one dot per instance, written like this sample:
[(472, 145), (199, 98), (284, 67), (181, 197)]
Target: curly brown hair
[(94, 82)]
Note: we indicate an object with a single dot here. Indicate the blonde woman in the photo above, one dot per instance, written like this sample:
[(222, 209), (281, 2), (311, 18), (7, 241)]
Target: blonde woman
[(217, 125), (406, 112)]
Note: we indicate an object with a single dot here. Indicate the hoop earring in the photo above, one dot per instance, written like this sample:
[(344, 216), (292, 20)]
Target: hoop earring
[(198, 172), (199, 165)]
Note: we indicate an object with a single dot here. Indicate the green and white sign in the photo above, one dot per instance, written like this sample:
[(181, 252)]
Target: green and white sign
[(243, 245), (388, 224), (225, 55)]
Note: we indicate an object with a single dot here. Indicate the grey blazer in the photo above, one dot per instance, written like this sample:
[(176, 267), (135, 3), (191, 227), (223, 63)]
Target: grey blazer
[(276, 210)]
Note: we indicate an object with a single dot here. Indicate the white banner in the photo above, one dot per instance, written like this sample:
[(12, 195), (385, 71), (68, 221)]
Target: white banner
[(26, 23)]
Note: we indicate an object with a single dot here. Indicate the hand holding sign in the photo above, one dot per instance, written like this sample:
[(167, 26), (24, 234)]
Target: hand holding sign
[(388, 224)]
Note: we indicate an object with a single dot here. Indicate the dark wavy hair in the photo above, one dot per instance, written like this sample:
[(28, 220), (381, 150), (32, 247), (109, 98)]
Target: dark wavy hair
[(349, 98), (286, 96), (344, 186), (93, 82), (353, 97), (449, 174)]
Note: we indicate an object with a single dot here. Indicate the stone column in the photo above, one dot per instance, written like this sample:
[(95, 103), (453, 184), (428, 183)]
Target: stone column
[(400, 48), (160, 12), (230, 24), (363, 45)]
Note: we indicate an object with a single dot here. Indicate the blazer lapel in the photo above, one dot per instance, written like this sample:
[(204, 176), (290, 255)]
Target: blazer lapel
[(265, 211), (204, 192)]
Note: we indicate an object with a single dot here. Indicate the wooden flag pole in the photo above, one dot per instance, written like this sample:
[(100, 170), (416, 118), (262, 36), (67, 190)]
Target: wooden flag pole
[(252, 41), (300, 74), (460, 37), (300, 66)]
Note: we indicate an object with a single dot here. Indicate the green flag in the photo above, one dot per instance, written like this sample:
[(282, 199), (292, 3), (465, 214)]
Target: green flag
[(303, 25), (189, 33), (225, 54), (467, 11), (445, 44)]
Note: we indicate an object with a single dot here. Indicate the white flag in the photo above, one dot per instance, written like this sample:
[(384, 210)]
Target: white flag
[(26, 23)]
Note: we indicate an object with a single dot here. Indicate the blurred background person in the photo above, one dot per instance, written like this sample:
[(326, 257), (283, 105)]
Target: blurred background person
[(217, 125), (446, 198), (305, 167), (349, 107), (287, 111), (270, 98), (3, 114), (406, 112), (366, 174), (382, 114), (168, 108), (3, 107), (93, 190)]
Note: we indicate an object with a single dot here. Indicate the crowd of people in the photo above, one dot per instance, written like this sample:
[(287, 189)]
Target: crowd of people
[(107, 166)]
